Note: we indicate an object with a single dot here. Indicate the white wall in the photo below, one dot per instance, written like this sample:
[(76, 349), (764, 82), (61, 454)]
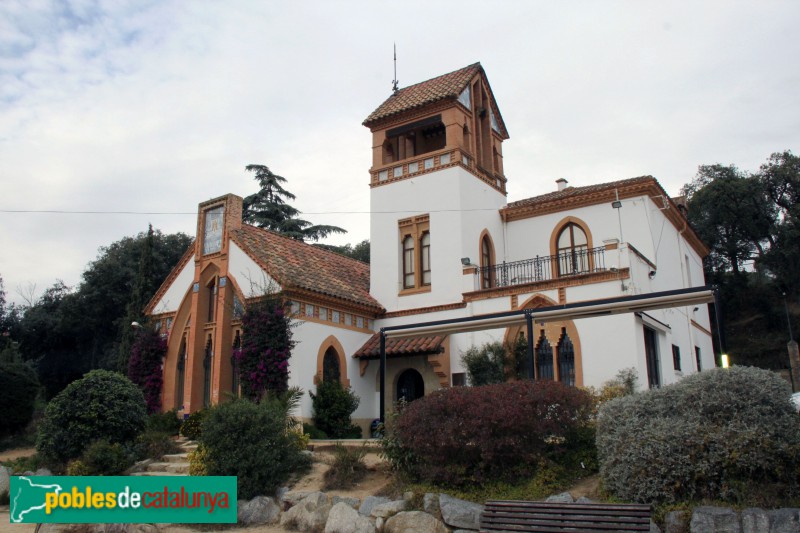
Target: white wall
[(250, 278), (460, 207), (175, 293)]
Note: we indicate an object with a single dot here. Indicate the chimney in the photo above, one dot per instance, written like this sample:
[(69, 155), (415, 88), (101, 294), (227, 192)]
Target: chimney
[(562, 184)]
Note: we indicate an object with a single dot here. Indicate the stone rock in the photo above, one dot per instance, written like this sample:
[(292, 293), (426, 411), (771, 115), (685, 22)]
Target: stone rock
[(306, 516), (378, 523), (5, 480), (414, 522), (784, 521), (430, 504), (292, 498), (459, 513), (316, 499), (352, 502), (653, 527), (714, 520), (408, 495), (43, 472), (677, 522), (259, 510), (385, 510), (370, 502), (584, 499), (754, 520), (344, 519), (280, 493), (564, 497)]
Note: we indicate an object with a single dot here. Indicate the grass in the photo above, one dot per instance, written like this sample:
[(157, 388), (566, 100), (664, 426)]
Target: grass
[(347, 468)]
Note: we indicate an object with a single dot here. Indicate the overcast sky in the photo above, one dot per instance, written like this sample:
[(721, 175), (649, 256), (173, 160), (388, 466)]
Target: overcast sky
[(157, 106)]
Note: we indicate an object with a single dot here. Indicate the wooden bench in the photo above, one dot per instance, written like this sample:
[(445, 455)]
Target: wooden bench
[(499, 515)]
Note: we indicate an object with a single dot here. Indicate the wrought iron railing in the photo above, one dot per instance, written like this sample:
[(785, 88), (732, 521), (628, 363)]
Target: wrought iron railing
[(542, 268)]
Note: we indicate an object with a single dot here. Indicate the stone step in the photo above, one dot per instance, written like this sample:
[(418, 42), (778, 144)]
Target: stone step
[(188, 447), (176, 458), (158, 474), (176, 468)]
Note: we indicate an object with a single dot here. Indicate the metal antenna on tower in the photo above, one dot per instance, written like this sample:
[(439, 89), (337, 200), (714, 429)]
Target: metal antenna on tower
[(395, 87)]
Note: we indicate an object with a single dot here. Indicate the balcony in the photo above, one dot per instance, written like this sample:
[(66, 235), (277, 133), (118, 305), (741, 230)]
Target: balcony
[(543, 268)]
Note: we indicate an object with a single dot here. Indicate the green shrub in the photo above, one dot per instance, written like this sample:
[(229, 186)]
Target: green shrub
[(102, 405), (314, 432), (192, 426), (102, 458), (502, 432), (198, 461), (76, 467), (712, 435), (331, 410), (485, 365), (347, 468), (168, 422), (153, 445), (253, 442), (19, 387)]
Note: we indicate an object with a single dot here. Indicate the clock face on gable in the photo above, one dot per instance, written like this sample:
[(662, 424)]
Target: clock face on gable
[(212, 233)]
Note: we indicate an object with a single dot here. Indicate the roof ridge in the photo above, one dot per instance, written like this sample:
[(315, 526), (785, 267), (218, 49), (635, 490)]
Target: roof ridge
[(473, 65)]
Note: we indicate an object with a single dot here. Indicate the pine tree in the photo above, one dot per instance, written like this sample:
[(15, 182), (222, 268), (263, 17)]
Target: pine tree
[(268, 208)]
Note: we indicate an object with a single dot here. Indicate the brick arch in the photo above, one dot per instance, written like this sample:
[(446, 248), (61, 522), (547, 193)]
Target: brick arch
[(332, 342), (552, 331), (557, 231)]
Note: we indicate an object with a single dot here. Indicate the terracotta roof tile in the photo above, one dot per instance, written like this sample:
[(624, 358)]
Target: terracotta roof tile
[(399, 347), (295, 264), (578, 191), (447, 86)]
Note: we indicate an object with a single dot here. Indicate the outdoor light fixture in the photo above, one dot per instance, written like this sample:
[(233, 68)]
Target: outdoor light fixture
[(135, 325), (724, 359), (616, 204), (465, 261), (652, 274)]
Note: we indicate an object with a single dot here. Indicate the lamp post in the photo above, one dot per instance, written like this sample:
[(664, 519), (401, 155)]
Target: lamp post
[(791, 346)]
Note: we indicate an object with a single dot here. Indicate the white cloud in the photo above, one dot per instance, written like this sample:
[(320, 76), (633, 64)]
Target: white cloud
[(158, 106)]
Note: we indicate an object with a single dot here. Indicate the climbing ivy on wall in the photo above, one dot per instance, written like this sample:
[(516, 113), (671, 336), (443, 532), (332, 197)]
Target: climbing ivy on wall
[(263, 359), (144, 365)]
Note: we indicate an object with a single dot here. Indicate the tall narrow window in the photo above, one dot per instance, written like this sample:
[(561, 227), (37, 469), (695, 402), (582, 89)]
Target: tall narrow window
[(697, 358), (235, 354), (487, 268), (651, 356), (566, 359), (180, 375), (544, 358), (676, 357), (408, 262), (425, 257), (573, 251), (330, 365), (212, 299), (207, 357)]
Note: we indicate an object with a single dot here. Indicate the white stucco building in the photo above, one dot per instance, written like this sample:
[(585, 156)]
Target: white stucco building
[(445, 243)]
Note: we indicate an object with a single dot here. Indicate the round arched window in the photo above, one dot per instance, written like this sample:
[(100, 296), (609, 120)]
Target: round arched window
[(573, 250)]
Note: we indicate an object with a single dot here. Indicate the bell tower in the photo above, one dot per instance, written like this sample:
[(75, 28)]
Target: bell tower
[(436, 182)]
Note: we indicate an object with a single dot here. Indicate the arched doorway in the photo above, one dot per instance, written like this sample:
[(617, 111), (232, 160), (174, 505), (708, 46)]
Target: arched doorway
[(330, 365), (410, 385)]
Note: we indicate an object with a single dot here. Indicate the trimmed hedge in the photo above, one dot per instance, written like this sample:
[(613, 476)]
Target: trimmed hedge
[(502, 432), (331, 409), (712, 435), (102, 405), (251, 441)]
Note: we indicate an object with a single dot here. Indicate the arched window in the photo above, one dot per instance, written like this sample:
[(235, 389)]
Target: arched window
[(487, 270), (573, 250), (330, 366), (566, 359), (544, 358), (408, 262), (425, 257), (410, 385), (207, 357), (180, 375)]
